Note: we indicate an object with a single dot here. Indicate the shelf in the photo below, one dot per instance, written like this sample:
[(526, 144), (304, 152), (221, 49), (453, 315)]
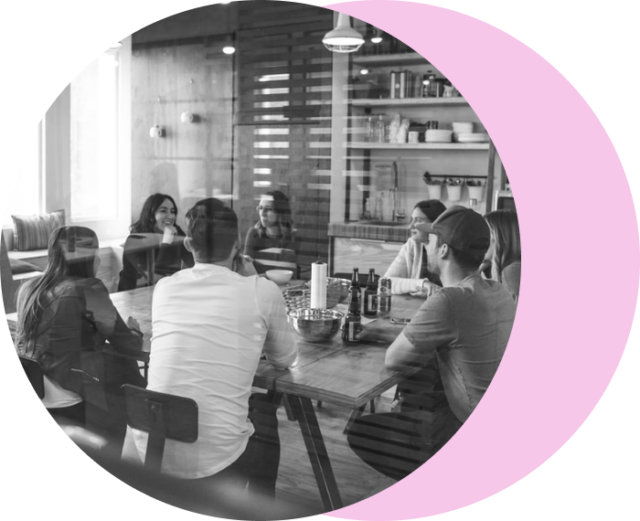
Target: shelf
[(419, 146), (407, 102), (410, 58)]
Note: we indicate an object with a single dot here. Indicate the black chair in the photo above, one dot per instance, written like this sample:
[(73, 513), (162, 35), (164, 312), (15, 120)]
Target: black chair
[(65, 416), (388, 442), (163, 416), (33, 370)]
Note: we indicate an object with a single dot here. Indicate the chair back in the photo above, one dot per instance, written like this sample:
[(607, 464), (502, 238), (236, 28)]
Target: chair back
[(163, 416), (33, 370), (6, 278)]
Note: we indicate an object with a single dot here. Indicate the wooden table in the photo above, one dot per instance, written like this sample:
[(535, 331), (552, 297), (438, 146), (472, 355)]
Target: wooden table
[(331, 371)]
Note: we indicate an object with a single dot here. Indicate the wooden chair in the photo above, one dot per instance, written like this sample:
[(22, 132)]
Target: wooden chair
[(163, 416), (34, 373)]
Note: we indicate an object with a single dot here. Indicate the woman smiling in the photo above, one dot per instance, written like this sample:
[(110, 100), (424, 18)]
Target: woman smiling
[(410, 272), (154, 233)]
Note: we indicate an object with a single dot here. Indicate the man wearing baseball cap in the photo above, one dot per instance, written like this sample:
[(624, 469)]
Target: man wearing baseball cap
[(465, 326)]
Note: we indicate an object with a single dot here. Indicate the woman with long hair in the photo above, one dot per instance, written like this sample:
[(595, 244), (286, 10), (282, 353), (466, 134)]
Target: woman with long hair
[(65, 317), (411, 272), (270, 241), (155, 241), (504, 254)]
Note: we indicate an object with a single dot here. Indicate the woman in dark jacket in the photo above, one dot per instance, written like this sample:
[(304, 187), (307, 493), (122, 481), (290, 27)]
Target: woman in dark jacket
[(156, 243), (65, 318), (270, 242)]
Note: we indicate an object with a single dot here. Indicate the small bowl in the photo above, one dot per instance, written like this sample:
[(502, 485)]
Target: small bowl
[(279, 276), (315, 325)]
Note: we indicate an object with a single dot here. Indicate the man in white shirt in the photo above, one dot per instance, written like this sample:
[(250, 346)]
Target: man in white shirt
[(211, 324)]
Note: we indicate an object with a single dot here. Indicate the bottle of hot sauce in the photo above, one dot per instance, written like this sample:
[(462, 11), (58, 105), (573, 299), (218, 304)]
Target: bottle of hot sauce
[(352, 324), (371, 295)]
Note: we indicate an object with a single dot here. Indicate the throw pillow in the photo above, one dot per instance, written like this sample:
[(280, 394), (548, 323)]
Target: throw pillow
[(31, 232), (19, 267)]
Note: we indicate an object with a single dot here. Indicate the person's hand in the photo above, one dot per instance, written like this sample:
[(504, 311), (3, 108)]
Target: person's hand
[(485, 269), (132, 323), (244, 266), (426, 289)]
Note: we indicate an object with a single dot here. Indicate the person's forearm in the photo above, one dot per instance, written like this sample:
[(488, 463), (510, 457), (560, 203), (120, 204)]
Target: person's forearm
[(403, 286), (125, 340)]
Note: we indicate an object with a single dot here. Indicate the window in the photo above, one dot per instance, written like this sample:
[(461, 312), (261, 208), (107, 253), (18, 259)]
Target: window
[(94, 140), (23, 196)]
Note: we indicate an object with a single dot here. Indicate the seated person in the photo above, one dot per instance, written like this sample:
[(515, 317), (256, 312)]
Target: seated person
[(270, 242), (503, 257), (211, 324), (65, 319), (154, 233), (409, 272), (466, 326)]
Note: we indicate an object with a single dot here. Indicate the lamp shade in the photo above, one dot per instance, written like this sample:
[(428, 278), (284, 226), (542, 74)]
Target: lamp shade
[(343, 38)]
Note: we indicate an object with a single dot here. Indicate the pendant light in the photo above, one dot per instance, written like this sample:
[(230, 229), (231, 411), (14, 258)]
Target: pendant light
[(343, 38)]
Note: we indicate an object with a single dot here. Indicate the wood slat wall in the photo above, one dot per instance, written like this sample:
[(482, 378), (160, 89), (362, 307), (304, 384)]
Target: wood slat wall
[(193, 160), (283, 119)]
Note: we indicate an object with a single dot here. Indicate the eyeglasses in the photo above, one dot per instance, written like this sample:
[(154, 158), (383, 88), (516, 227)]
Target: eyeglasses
[(265, 208)]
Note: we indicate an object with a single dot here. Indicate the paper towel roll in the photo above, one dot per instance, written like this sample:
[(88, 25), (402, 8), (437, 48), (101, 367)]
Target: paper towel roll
[(318, 285)]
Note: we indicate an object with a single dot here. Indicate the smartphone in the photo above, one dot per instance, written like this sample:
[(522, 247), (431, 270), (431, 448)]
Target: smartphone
[(395, 320)]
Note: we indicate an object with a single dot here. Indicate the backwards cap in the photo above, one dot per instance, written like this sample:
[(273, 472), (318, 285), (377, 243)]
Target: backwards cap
[(463, 229)]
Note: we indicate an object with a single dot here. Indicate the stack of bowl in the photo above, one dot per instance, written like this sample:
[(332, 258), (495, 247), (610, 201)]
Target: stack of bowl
[(461, 127), (437, 136), (480, 137)]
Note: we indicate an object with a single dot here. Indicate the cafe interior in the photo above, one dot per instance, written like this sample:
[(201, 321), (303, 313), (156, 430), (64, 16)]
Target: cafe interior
[(232, 102)]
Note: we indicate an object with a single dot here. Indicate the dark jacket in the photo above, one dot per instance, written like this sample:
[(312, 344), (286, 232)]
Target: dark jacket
[(169, 258), (268, 252), (78, 319)]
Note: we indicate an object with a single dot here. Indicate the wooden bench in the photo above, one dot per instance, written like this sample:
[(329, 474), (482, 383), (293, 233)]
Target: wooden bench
[(110, 254)]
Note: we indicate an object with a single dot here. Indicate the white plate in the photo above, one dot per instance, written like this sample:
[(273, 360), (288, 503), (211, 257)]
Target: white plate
[(473, 138)]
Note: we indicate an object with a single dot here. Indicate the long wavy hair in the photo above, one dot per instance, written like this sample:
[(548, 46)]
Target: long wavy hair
[(506, 233), (35, 295), (147, 221), (283, 211)]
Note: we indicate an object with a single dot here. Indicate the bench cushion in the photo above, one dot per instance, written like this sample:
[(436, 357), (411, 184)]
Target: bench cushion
[(19, 267), (31, 232)]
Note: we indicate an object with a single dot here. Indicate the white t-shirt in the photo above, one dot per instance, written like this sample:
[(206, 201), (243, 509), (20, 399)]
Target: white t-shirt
[(56, 396), (210, 326)]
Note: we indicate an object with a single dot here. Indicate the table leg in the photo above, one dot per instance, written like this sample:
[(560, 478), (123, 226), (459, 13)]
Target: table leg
[(355, 414), (306, 417), (151, 266)]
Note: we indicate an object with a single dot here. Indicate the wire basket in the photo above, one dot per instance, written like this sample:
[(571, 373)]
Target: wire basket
[(299, 298)]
